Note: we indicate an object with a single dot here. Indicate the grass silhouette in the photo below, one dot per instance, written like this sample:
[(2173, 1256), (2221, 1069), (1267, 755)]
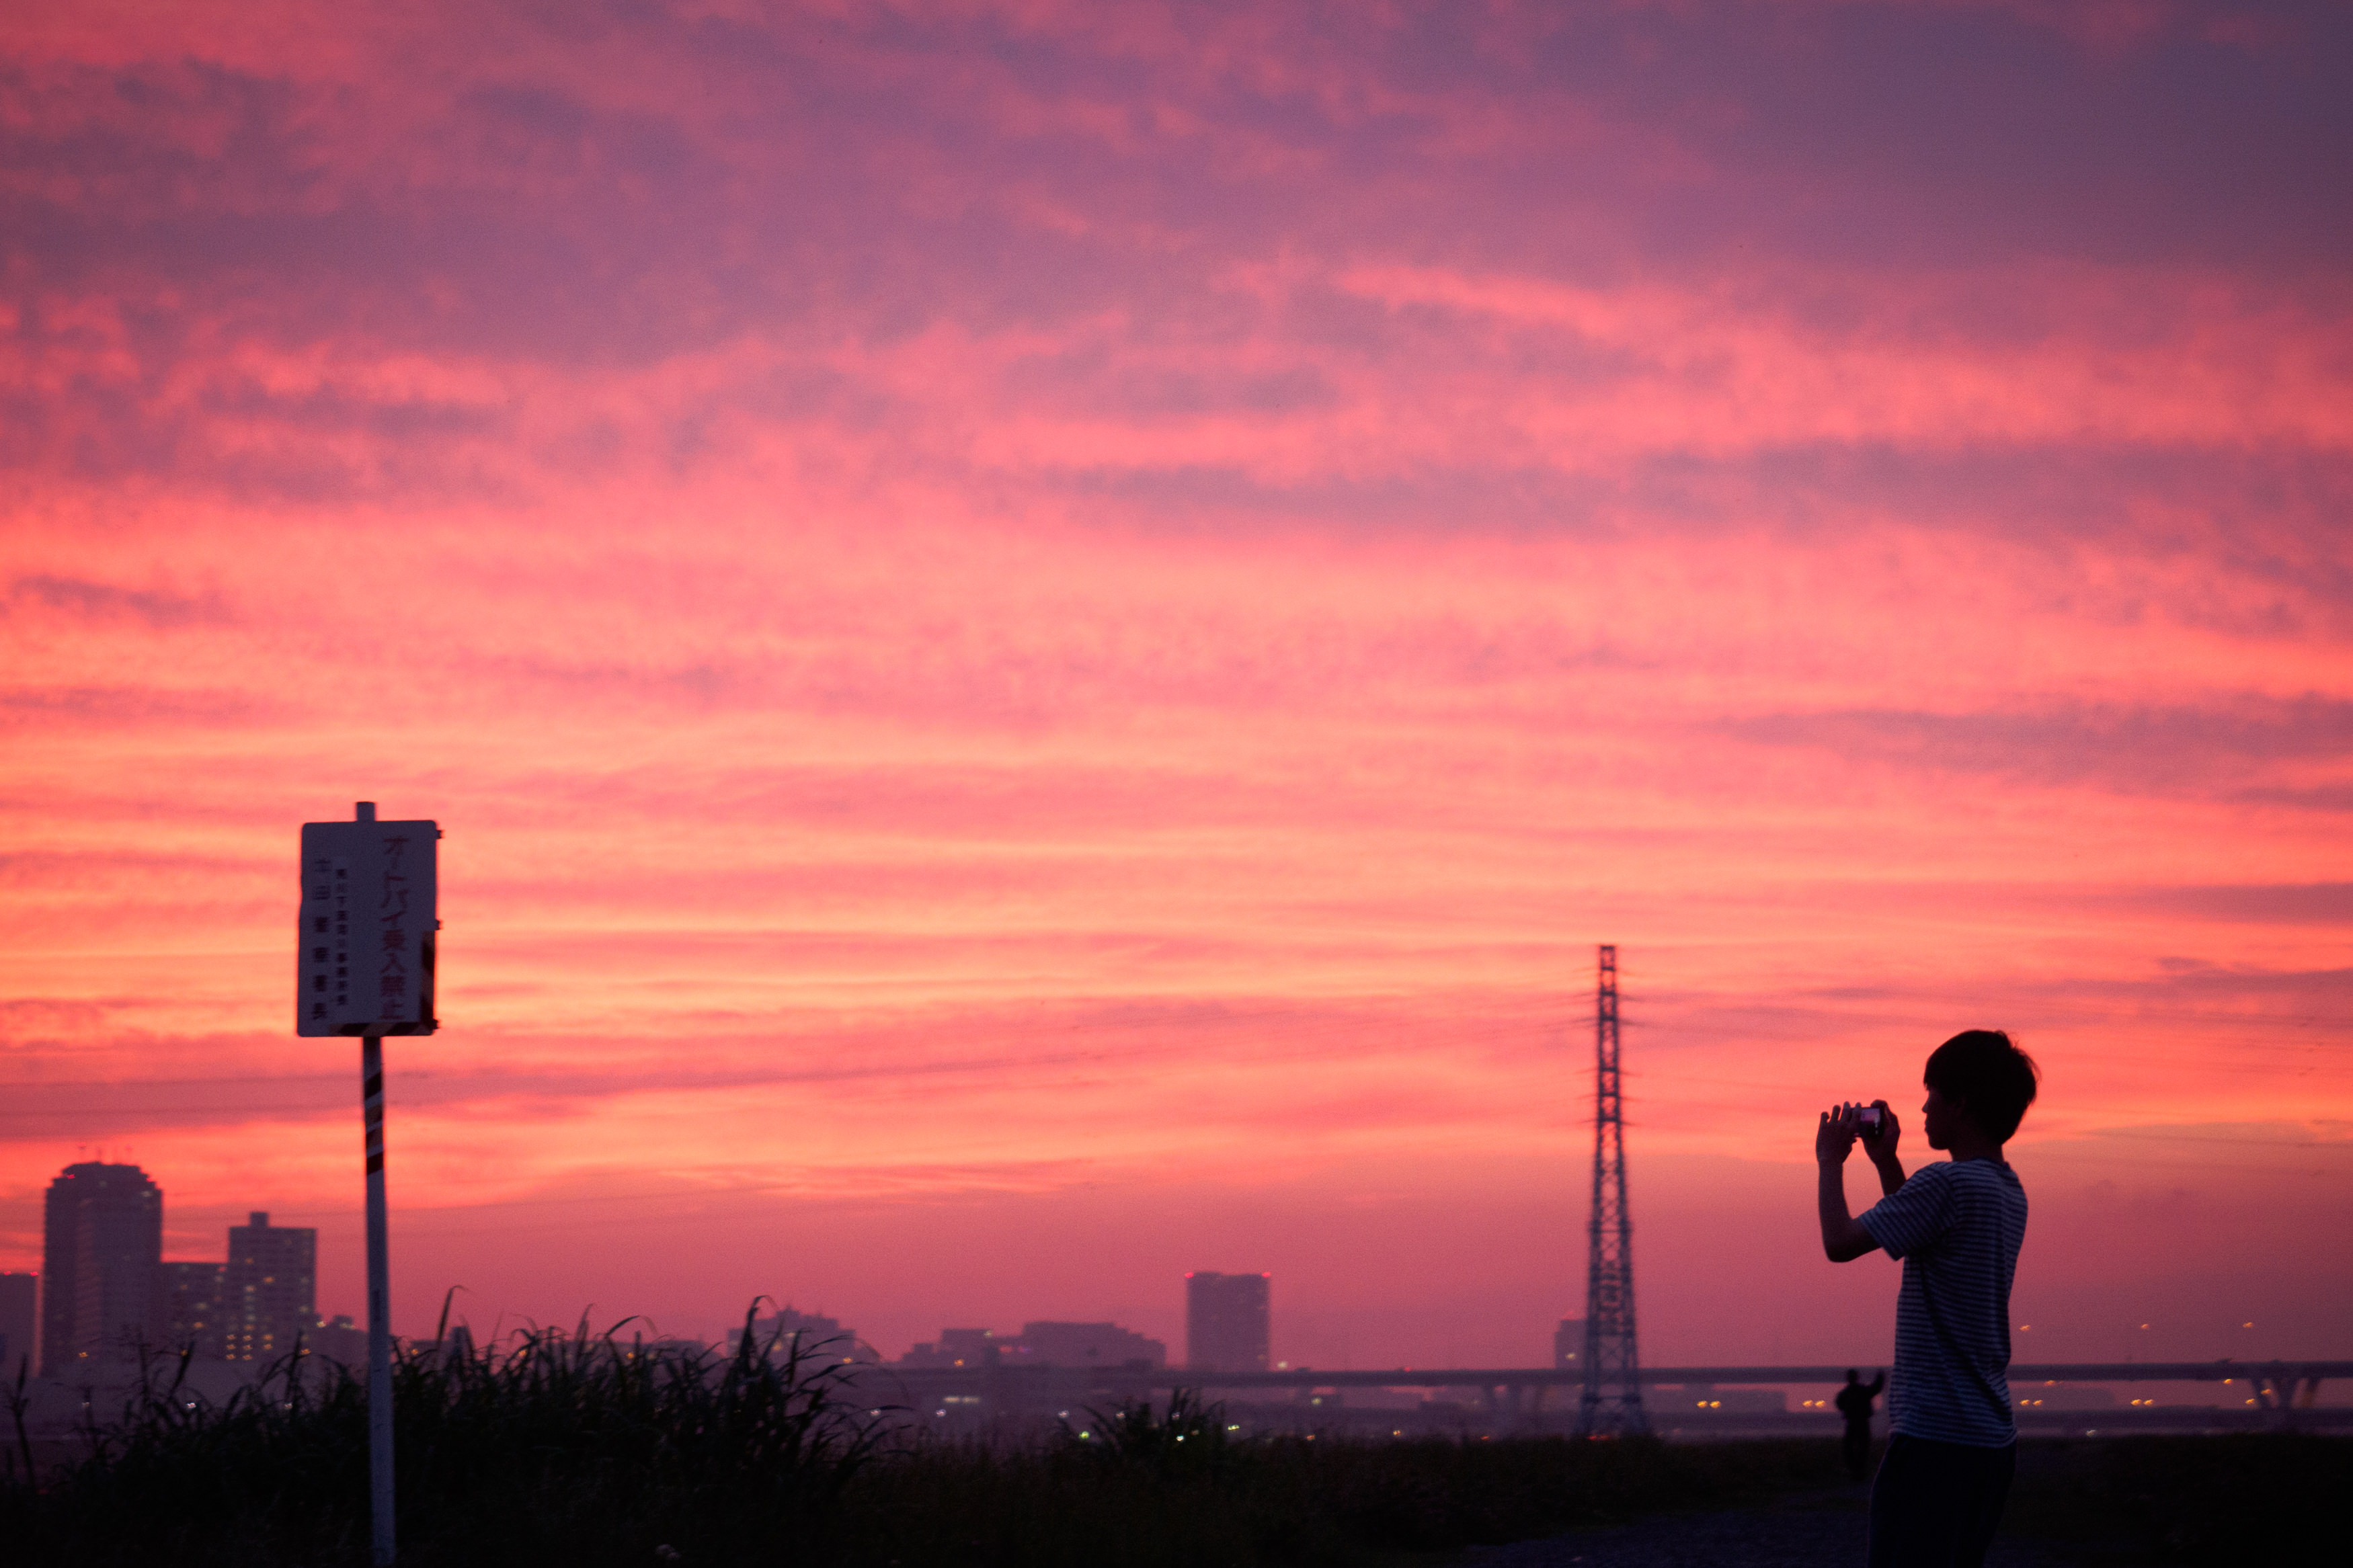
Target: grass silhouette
[(576, 1446), (587, 1449)]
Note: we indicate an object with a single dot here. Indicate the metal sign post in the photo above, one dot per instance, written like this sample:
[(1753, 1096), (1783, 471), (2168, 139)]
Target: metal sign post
[(379, 1306), (364, 966)]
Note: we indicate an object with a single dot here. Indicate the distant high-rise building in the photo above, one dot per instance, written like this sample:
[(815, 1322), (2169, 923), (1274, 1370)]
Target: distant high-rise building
[(102, 1239), (1227, 1321), (810, 1333), (268, 1289), (18, 1312), (341, 1340), (1568, 1344), (956, 1347), (188, 1305), (1085, 1344), (793, 1326)]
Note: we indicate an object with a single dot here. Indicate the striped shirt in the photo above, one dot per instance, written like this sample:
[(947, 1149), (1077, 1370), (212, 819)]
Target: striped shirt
[(1956, 1225)]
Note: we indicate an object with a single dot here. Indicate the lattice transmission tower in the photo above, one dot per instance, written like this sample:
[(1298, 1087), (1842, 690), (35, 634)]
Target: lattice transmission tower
[(1612, 1403)]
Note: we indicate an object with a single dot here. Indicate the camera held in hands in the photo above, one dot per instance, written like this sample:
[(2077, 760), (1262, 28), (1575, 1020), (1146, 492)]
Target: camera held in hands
[(1868, 1117)]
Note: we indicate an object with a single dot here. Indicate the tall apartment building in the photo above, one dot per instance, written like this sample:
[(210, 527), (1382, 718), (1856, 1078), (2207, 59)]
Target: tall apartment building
[(1227, 1325), (188, 1305), (19, 1294), (102, 1239), (269, 1288)]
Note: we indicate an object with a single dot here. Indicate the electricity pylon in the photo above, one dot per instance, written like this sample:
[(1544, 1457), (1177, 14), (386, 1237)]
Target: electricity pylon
[(1611, 1406)]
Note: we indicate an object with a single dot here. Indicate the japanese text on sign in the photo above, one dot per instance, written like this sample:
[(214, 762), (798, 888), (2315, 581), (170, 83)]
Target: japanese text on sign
[(365, 948)]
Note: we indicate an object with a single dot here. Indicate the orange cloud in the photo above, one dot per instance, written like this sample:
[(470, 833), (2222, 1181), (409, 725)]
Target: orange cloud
[(1044, 634)]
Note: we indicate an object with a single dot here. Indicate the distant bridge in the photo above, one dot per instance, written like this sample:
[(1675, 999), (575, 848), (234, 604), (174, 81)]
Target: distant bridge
[(2278, 1390), (2275, 1374)]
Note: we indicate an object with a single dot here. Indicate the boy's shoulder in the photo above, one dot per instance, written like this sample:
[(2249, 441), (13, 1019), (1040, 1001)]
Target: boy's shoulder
[(1966, 1171), (1981, 1185), (1929, 1178), (1937, 1197)]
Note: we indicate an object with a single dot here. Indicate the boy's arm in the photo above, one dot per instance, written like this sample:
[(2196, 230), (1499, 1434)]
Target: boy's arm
[(1843, 1239)]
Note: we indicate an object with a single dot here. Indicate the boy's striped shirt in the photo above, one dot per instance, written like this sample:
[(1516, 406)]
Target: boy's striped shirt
[(1956, 1225)]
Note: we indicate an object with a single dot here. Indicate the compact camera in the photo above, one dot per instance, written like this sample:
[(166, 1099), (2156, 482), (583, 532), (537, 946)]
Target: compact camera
[(1869, 1117)]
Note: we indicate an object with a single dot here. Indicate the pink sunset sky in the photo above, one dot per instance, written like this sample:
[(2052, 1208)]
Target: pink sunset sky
[(1045, 633)]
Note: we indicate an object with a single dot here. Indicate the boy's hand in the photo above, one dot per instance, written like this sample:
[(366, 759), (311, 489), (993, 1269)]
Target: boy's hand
[(1834, 1139), (1879, 1142), (1843, 1237)]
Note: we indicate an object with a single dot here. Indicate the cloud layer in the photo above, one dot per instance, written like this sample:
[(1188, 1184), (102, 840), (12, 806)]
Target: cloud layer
[(1061, 624)]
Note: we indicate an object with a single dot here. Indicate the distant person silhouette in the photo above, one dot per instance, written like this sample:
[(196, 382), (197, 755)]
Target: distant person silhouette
[(1957, 1227), (1854, 1401)]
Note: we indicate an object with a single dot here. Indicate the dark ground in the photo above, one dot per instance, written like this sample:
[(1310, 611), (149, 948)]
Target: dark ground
[(2212, 1502), (1817, 1530)]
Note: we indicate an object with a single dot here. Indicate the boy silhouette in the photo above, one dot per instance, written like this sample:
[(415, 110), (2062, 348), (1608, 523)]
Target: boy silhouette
[(1955, 1227)]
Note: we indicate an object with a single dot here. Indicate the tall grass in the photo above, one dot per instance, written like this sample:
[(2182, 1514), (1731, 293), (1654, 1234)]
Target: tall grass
[(586, 1449), (574, 1447)]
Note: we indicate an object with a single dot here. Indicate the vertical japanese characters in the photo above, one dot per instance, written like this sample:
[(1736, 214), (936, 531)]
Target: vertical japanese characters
[(393, 980), (326, 994)]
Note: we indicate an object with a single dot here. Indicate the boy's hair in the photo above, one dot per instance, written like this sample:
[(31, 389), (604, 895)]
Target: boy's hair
[(1992, 1078)]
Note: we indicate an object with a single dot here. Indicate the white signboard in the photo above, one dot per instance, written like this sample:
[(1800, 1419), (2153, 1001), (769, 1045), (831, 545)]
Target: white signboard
[(366, 963)]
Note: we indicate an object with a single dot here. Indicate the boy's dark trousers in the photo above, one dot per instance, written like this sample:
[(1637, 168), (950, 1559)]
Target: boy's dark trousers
[(1935, 1505)]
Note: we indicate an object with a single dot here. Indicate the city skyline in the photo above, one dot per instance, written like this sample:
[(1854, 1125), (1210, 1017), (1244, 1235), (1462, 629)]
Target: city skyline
[(1046, 634), (251, 1305), (106, 1291), (255, 1331)]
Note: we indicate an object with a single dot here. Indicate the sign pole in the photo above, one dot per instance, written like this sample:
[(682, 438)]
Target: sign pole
[(379, 1292), (363, 962)]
